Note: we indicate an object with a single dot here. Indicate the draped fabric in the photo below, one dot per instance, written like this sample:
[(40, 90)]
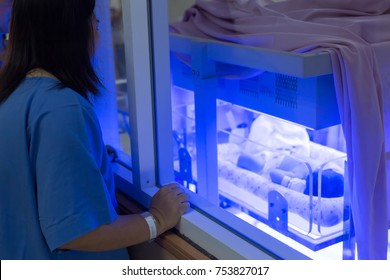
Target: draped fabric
[(348, 30)]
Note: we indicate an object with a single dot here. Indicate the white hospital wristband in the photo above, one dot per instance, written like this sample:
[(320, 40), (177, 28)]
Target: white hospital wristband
[(150, 220)]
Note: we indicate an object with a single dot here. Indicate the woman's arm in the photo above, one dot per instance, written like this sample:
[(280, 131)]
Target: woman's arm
[(125, 231), (167, 206)]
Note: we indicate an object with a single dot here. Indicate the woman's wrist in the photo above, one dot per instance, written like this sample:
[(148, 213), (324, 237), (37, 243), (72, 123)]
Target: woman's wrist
[(159, 220), (152, 224)]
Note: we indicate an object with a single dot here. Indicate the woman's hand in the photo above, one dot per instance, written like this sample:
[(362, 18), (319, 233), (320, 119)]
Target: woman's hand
[(168, 205)]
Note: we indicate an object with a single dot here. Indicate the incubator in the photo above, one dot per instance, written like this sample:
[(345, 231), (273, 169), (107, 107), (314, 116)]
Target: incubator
[(267, 147)]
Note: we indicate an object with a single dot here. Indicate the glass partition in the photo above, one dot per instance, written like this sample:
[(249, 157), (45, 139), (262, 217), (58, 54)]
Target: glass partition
[(254, 134)]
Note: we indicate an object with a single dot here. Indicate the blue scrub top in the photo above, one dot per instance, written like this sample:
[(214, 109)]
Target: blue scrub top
[(56, 182)]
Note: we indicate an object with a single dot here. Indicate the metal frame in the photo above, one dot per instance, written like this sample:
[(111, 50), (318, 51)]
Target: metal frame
[(139, 82)]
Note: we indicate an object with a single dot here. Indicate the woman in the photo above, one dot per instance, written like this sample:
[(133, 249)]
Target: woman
[(56, 186)]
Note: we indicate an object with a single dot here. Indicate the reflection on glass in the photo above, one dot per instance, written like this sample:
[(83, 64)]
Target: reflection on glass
[(120, 73)]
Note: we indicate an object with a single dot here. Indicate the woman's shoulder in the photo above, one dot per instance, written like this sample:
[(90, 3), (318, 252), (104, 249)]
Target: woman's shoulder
[(48, 93), (46, 97)]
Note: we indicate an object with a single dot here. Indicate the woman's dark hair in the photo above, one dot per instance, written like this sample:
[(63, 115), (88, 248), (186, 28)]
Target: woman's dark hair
[(55, 35)]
